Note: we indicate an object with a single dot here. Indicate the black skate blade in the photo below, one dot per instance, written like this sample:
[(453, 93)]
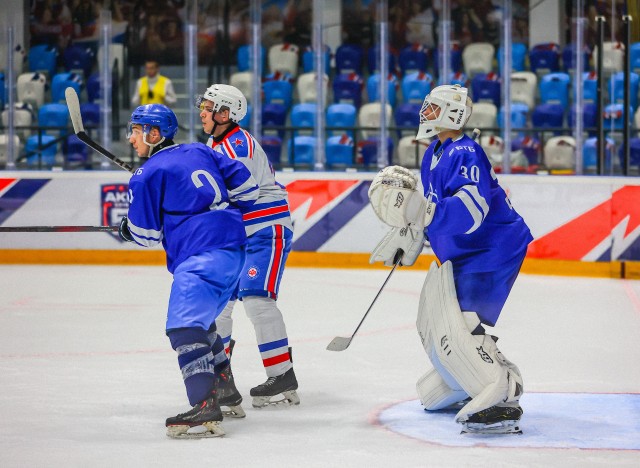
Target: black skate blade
[(339, 343), (502, 428)]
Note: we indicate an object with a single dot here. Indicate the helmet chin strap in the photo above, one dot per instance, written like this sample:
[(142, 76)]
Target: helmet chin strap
[(153, 147), (216, 124)]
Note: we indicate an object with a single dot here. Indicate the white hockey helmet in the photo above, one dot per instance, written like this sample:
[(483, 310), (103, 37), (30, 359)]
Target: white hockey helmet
[(455, 109), (222, 95)]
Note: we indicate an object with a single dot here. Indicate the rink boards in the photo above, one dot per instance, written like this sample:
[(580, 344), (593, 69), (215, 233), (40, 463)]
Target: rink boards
[(581, 225)]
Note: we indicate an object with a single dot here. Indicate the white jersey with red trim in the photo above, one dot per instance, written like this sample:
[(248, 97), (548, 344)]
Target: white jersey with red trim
[(272, 206)]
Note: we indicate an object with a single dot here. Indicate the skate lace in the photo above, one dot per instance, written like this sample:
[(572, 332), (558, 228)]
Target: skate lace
[(270, 381)]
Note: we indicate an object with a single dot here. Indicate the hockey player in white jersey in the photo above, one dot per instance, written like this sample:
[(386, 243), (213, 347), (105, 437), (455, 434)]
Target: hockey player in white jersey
[(480, 242), (270, 232), (191, 200)]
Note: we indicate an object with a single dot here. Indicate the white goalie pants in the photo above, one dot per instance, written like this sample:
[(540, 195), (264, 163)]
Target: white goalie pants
[(464, 364)]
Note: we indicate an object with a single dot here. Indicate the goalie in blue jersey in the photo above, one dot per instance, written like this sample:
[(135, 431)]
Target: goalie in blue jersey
[(191, 199), (480, 242)]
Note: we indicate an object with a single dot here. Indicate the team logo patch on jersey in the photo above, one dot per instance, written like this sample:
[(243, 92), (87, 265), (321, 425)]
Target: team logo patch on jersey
[(253, 272), (237, 142), (114, 200)]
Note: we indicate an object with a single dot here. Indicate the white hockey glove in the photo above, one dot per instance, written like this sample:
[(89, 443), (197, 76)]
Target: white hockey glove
[(396, 201), (409, 240)]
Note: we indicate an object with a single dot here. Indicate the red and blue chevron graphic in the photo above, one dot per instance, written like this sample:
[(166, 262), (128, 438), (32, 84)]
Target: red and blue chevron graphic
[(320, 208), (608, 231), (16, 192)]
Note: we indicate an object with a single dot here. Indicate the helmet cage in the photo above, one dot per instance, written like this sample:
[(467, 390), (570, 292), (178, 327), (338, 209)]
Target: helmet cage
[(455, 109)]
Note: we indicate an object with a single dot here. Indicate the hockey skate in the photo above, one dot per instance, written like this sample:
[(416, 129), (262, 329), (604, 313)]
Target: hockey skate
[(202, 421), (285, 384), (229, 397), (494, 420)]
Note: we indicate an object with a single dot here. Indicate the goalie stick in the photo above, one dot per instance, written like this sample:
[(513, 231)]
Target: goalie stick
[(340, 343), (58, 228), (73, 104)]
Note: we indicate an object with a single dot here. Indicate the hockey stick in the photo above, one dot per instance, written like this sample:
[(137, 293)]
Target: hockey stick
[(58, 228), (340, 343), (73, 104)]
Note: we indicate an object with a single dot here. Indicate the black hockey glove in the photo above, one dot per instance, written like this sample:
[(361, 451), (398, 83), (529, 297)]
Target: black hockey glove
[(123, 230)]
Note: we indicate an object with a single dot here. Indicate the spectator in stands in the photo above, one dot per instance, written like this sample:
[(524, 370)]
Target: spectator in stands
[(153, 88)]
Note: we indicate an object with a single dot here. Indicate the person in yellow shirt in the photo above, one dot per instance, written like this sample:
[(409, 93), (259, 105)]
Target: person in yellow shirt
[(153, 88)]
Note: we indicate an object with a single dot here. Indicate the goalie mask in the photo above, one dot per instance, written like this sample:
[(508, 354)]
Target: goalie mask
[(224, 96), (447, 107)]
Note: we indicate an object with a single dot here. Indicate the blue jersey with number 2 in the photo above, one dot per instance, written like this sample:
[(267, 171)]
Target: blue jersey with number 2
[(474, 225), (191, 199)]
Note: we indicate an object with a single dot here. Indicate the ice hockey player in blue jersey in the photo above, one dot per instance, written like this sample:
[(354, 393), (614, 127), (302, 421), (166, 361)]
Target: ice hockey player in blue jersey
[(480, 242), (270, 232), (191, 200)]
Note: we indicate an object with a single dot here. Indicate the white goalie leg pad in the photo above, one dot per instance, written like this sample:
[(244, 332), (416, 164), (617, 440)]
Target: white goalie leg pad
[(435, 394), (473, 361)]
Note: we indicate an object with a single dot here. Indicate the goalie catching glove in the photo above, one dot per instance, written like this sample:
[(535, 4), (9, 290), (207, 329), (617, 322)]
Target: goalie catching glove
[(410, 241), (397, 202)]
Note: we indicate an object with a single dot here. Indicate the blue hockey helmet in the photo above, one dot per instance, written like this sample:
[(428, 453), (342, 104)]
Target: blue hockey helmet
[(154, 115)]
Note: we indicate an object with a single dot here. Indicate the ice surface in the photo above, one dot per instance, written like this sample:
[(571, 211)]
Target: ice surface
[(87, 376)]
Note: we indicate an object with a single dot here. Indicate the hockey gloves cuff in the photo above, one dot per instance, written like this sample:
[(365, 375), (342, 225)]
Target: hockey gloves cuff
[(123, 230)]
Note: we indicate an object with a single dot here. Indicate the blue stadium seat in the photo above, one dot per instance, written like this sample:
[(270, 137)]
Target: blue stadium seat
[(339, 150), (634, 152), (93, 87), (341, 115), (568, 58), (530, 146), (369, 151), (90, 112), (544, 58), (41, 150), (486, 88), (518, 57), (415, 87), (373, 55), (456, 78), (373, 88), (62, 81), (243, 55), (76, 57), (302, 149), (413, 58), (272, 146), (634, 57), (75, 150), (308, 60), (54, 115), (3, 91), (590, 153), (614, 116), (349, 58), (589, 117), (589, 87), (273, 115), (519, 114), (246, 120), (347, 88), (554, 88), (616, 89), (278, 92), (303, 115), (455, 57), (43, 58), (548, 115), (407, 118)]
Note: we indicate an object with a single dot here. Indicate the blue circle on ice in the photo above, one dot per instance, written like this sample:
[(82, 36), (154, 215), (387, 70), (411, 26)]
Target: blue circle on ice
[(550, 420)]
